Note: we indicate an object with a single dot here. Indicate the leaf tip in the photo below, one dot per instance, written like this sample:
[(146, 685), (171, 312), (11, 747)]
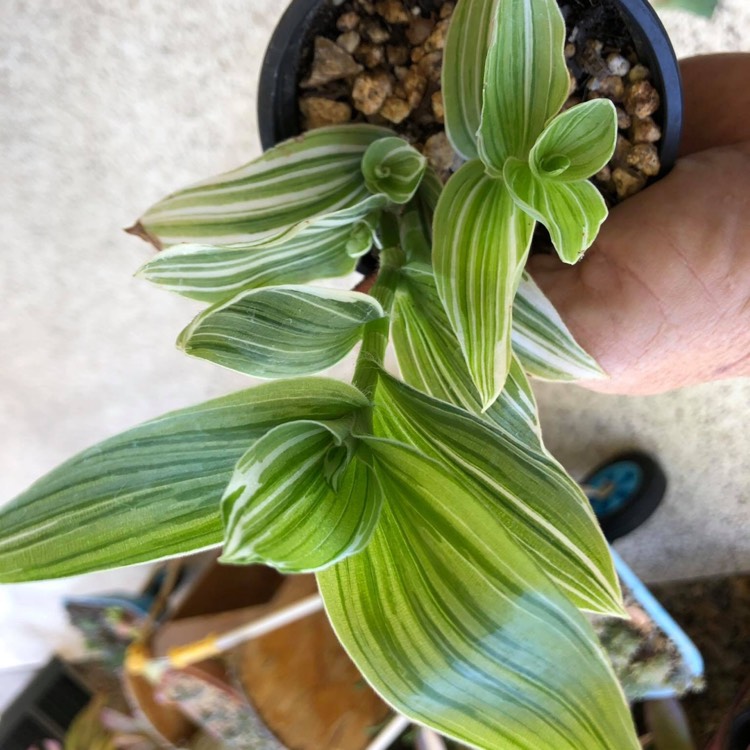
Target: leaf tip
[(138, 230)]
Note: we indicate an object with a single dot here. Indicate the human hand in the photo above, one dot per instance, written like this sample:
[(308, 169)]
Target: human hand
[(662, 299)]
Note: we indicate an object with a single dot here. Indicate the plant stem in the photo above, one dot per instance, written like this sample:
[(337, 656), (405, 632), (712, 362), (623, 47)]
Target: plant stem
[(375, 339)]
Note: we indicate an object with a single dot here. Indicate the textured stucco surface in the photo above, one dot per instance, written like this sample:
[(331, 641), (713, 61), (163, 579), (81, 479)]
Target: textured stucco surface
[(107, 106)]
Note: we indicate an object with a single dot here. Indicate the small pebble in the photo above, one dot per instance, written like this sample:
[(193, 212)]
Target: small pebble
[(395, 110), (622, 148), (437, 106), (618, 65), (415, 85), (645, 158), (436, 40), (419, 30), (330, 63), (431, 65), (570, 50), (645, 131), (446, 10), (611, 87), (604, 174), (349, 41), (572, 83), (642, 100), (370, 55), (393, 11), (348, 21), (439, 152), (623, 119), (639, 73), (374, 31), (319, 112), (370, 92), (627, 182)]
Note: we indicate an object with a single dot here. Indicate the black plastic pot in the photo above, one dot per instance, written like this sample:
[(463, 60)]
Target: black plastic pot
[(278, 117)]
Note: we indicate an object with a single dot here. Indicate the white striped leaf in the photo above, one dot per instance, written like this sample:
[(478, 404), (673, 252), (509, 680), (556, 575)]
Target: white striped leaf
[(324, 249), (542, 341), (315, 174), (393, 168), (415, 223), (281, 331), (572, 212), (463, 72), (453, 623), (530, 493), (577, 143), (526, 79), (298, 501), (430, 359), (481, 241), (153, 491)]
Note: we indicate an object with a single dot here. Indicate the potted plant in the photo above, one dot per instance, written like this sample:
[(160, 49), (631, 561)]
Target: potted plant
[(454, 555)]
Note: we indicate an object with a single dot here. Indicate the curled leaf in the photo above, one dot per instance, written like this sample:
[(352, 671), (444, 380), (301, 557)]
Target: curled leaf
[(572, 212), (577, 143), (298, 503), (393, 168)]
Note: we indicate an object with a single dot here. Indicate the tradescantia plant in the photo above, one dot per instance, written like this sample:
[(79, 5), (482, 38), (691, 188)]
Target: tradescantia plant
[(453, 553)]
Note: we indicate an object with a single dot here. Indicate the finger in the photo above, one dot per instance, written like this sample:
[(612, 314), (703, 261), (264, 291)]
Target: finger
[(717, 101)]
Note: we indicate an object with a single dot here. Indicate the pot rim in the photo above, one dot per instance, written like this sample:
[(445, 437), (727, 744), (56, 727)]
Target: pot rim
[(277, 89)]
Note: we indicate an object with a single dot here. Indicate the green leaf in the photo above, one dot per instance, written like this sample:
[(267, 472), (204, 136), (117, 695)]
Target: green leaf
[(282, 508), (300, 179), (325, 249), (153, 491), (572, 212), (415, 223), (542, 341), (393, 168), (583, 139), (529, 492), (463, 72), (481, 241), (455, 626), (281, 331), (430, 359), (526, 79)]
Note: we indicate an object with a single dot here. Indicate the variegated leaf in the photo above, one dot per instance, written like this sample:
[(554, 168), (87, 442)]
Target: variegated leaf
[(454, 624), (281, 331), (430, 359), (538, 503), (526, 79), (463, 72), (393, 168), (481, 241), (153, 491), (572, 212), (542, 341), (298, 501), (310, 176), (415, 223), (577, 143), (325, 249)]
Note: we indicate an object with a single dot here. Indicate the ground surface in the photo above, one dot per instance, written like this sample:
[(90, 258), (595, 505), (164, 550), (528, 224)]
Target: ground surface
[(107, 106)]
